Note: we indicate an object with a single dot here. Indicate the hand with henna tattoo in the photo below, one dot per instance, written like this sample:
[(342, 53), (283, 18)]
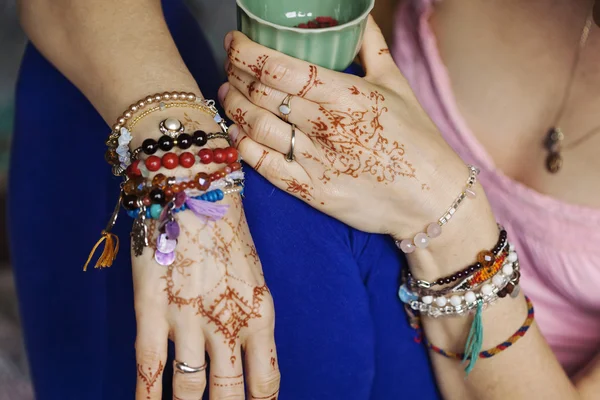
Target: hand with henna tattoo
[(366, 152), (213, 299)]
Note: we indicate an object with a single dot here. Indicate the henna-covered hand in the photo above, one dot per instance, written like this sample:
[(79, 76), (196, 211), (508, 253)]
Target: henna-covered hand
[(366, 152), (213, 299)]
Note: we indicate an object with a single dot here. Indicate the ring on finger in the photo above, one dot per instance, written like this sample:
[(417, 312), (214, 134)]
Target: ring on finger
[(289, 157), (183, 368), (285, 109)]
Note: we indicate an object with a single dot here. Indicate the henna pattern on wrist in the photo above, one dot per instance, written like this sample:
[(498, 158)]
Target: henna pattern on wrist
[(384, 51), (232, 302), (353, 142), (229, 303), (313, 81), (149, 378), (303, 190)]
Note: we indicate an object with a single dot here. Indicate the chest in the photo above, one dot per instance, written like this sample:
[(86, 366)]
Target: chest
[(509, 91)]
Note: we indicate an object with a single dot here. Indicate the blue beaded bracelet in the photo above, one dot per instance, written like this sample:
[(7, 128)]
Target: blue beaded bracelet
[(155, 210)]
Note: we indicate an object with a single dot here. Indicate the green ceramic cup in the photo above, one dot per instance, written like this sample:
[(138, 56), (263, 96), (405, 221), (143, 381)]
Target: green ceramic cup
[(272, 24)]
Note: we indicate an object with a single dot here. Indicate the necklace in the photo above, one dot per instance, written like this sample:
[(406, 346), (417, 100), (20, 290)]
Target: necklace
[(555, 136)]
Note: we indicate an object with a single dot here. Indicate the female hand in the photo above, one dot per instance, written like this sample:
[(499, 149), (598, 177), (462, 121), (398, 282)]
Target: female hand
[(365, 152), (213, 299)]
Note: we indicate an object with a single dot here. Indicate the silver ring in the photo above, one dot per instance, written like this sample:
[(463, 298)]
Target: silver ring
[(285, 109), (183, 368), (289, 157)]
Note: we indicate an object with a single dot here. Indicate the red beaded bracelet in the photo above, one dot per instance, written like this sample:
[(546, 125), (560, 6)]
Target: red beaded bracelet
[(187, 159)]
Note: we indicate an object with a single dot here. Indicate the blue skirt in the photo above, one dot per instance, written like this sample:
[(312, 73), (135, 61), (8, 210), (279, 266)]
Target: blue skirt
[(341, 331)]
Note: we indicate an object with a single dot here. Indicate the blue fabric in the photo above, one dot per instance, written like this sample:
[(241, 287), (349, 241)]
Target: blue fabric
[(340, 330)]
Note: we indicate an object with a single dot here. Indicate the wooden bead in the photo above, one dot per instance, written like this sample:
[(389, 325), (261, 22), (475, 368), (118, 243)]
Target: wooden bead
[(486, 258)]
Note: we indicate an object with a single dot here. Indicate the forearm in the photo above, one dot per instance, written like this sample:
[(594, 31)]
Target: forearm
[(528, 369), (114, 51)]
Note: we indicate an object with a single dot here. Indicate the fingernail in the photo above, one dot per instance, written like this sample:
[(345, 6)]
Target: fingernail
[(228, 40), (223, 90), (233, 133)]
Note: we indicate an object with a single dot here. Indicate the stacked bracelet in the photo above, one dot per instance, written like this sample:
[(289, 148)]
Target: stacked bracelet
[(160, 197), (118, 154), (469, 291)]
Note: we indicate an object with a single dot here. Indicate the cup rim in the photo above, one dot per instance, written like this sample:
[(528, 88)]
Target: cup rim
[(355, 21)]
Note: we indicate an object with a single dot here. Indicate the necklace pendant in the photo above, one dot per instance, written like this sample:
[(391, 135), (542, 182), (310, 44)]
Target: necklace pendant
[(553, 142), (554, 162)]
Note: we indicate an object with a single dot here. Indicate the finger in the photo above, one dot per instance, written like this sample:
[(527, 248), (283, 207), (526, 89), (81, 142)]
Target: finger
[(189, 349), (290, 177), (282, 72), (151, 356), (261, 125), (375, 54), (262, 370), (226, 372), (271, 99)]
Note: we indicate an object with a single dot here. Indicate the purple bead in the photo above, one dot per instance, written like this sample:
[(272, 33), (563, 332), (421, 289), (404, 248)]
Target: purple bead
[(164, 259), (180, 199), (172, 230), (165, 245)]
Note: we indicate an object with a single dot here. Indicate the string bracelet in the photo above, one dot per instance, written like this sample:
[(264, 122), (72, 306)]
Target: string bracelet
[(494, 350), (434, 229)]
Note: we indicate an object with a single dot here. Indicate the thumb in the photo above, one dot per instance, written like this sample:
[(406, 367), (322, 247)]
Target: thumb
[(374, 54)]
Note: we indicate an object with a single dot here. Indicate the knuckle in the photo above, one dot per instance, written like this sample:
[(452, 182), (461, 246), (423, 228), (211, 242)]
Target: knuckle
[(264, 127), (231, 394), (267, 384), (273, 168), (148, 356), (192, 383), (259, 93), (276, 71)]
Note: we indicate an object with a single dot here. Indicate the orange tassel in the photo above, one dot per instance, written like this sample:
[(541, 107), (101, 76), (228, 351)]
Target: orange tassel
[(111, 249)]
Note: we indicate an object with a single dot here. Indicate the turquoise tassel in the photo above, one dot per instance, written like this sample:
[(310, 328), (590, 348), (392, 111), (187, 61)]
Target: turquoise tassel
[(474, 340)]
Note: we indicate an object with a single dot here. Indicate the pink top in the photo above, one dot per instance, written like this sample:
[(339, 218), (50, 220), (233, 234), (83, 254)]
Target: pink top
[(558, 243)]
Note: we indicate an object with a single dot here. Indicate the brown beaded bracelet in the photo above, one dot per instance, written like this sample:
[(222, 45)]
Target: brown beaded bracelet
[(485, 258)]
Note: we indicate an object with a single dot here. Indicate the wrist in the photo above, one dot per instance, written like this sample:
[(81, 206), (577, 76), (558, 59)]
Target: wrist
[(472, 229)]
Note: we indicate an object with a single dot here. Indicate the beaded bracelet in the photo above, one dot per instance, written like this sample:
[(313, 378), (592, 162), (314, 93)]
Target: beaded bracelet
[(155, 210), (471, 281), (434, 229), (494, 350), (121, 159), (463, 304), (118, 155), (183, 141), (201, 206), (485, 258), (170, 160)]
